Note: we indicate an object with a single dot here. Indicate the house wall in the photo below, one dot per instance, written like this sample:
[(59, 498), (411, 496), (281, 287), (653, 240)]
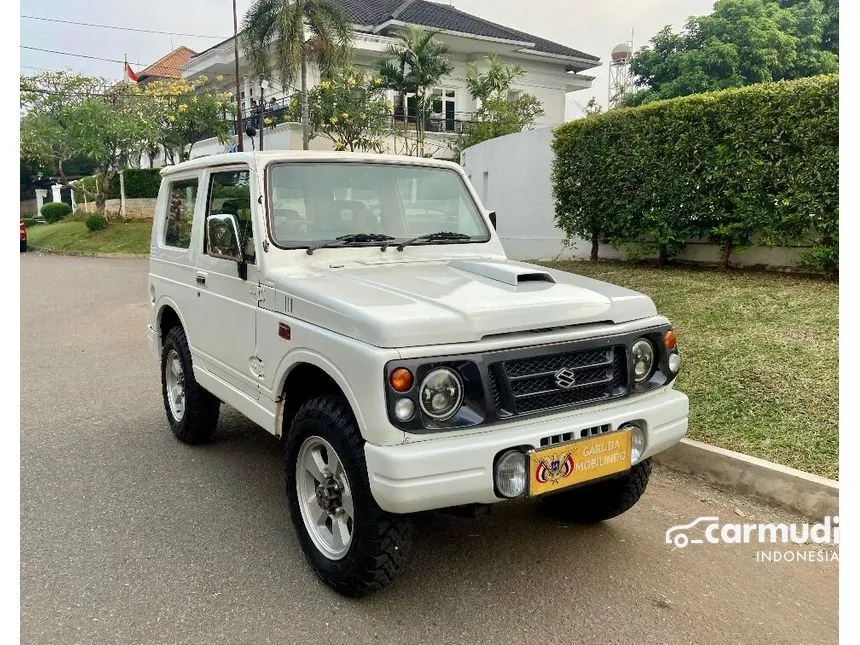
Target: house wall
[(512, 176)]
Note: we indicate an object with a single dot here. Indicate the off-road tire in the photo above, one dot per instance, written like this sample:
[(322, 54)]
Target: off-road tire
[(23, 246), (601, 501), (381, 541), (201, 408)]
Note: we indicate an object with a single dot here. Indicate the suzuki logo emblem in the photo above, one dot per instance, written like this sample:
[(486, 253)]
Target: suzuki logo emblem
[(565, 378)]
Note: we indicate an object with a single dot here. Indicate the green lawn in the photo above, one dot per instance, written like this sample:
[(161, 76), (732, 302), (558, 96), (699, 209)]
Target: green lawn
[(72, 235), (759, 357)]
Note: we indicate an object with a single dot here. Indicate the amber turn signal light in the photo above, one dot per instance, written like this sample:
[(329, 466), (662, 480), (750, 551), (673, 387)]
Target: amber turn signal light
[(671, 339), (401, 379)]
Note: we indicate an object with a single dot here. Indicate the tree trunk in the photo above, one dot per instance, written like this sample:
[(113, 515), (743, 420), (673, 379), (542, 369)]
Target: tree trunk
[(306, 119), (103, 188), (727, 254), (662, 256), (595, 246)]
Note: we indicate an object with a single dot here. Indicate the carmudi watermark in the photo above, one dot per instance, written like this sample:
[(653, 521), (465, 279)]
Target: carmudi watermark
[(709, 530)]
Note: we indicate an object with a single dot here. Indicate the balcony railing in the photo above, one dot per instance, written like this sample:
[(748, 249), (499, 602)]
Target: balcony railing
[(450, 124)]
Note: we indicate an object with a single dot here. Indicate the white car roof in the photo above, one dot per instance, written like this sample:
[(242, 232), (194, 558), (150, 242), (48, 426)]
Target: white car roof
[(262, 159)]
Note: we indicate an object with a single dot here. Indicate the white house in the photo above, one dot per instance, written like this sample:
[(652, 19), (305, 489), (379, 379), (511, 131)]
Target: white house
[(552, 69)]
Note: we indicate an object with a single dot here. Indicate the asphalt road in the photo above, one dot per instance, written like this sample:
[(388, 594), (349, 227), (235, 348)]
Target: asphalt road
[(128, 536)]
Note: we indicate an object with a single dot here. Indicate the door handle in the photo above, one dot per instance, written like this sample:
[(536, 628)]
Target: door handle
[(201, 277)]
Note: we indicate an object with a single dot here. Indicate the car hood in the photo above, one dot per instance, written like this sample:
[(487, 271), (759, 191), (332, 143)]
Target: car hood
[(412, 303)]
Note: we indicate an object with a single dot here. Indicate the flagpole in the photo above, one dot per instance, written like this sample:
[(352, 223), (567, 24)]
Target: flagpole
[(240, 142)]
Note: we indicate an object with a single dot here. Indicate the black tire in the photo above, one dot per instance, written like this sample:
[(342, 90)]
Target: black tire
[(380, 541), (200, 417), (601, 501), (23, 246)]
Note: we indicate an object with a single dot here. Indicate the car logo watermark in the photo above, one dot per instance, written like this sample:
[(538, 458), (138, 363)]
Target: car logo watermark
[(712, 531)]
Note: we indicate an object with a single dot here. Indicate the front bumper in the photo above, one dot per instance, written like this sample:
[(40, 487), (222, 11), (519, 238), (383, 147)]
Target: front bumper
[(444, 472)]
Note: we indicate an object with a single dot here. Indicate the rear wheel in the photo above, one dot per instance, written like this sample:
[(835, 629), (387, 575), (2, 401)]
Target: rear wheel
[(351, 544), (601, 501), (23, 246), (191, 411)]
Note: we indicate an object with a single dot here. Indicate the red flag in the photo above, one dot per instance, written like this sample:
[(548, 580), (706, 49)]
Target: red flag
[(129, 74)]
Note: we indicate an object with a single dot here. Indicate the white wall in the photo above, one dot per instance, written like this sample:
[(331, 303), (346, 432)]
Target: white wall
[(513, 176)]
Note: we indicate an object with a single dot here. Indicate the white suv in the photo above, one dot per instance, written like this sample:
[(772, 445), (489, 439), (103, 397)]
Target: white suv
[(361, 307)]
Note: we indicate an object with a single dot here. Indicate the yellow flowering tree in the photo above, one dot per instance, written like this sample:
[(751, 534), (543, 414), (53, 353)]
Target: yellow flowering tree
[(187, 110), (348, 107)]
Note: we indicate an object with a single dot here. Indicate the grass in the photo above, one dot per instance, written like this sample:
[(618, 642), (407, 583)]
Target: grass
[(759, 357), (73, 235)]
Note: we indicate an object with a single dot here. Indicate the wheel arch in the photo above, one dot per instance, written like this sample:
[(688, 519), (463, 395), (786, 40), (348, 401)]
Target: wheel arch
[(307, 375), (168, 316)]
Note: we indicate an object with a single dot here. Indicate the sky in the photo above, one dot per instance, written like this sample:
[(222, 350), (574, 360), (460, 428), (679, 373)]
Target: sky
[(591, 26)]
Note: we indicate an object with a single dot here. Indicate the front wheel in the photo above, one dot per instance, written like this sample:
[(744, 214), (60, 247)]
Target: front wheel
[(601, 501), (351, 544)]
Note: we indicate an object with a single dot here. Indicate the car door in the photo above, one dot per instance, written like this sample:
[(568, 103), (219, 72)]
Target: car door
[(227, 303)]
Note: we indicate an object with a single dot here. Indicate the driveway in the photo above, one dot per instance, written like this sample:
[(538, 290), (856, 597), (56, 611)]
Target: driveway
[(128, 536)]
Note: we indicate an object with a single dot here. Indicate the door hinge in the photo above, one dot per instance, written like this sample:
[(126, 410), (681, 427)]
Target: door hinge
[(256, 292)]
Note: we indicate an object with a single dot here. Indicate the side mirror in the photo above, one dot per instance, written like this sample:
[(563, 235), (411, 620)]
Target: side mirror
[(493, 219), (222, 241)]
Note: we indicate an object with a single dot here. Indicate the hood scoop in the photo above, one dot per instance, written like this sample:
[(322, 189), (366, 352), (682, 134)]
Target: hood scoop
[(501, 272)]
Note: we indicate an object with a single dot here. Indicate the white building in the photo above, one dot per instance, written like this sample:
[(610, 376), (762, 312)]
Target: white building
[(552, 70)]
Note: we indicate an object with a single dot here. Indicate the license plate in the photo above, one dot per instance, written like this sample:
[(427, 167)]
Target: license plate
[(573, 463)]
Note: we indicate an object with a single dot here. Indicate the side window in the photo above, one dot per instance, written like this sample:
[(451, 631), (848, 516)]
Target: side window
[(180, 213), (230, 193)]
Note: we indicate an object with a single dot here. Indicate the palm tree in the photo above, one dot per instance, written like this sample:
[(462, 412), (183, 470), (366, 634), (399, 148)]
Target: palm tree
[(296, 32), (415, 64)]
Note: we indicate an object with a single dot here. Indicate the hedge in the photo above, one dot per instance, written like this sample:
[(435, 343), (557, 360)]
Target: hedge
[(139, 182), (758, 164)]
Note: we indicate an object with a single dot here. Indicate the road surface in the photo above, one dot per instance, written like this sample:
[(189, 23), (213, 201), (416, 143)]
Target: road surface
[(128, 536)]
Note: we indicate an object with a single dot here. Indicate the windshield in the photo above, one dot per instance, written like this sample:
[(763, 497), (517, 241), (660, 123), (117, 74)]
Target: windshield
[(315, 202)]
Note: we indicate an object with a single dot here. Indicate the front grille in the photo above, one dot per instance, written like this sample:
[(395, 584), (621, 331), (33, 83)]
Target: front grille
[(527, 385)]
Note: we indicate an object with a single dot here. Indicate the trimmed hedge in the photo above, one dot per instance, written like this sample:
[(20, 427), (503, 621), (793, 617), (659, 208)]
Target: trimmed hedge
[(139, 182), (96, 222), (55, 211), (758, 164)]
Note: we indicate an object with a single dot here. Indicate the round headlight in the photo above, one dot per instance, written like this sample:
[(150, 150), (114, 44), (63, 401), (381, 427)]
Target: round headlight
[(441, 394), (511, 474), (643, 359)]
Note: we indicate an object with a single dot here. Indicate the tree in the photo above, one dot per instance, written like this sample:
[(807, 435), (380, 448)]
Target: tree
[(415, 63), (280, 27), (66, 115), (740, 43), (186, 111), (499, 113), (350, 109)]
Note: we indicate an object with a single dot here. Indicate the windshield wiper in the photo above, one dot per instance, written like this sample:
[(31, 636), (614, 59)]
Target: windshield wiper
[(346, 240), (435, 237)]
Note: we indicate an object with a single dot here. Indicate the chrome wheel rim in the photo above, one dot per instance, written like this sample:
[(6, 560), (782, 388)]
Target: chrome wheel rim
[(174, 377), (325, 497)]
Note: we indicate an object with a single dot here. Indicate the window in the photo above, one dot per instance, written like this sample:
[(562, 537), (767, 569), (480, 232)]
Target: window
[(322, 201), (230, 193), (180, 213)]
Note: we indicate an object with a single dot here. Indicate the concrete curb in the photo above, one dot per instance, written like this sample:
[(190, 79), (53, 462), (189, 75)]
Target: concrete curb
[(808, 494), (89, 254)]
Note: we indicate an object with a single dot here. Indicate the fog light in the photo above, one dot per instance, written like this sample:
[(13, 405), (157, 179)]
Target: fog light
[(511, 474), (674, 363), (404, 409), (637, 442)]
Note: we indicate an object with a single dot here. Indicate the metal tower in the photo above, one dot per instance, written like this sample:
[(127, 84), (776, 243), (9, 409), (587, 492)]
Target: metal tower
[(620, 79)]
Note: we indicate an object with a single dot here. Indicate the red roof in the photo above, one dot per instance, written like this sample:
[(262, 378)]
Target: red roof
[(168, 66)]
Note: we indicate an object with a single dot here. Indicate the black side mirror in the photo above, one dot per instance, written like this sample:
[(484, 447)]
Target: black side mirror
[(493, 219)]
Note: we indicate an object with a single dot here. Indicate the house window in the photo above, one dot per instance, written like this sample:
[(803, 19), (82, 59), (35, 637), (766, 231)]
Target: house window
[(444, 108)]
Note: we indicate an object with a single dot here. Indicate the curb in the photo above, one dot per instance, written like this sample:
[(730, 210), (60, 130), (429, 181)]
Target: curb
[(89, 254), (805, 493)]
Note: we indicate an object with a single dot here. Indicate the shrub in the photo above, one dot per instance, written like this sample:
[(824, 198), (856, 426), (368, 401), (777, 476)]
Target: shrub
[(29, 221), (96, 222), (758, 164), (55, 211)]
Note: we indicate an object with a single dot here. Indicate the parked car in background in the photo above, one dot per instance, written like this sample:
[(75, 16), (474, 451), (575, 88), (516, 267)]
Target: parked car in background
[(23, 237), (362, 308)]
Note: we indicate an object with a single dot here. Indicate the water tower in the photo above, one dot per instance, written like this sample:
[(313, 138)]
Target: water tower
[(620, 79)]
